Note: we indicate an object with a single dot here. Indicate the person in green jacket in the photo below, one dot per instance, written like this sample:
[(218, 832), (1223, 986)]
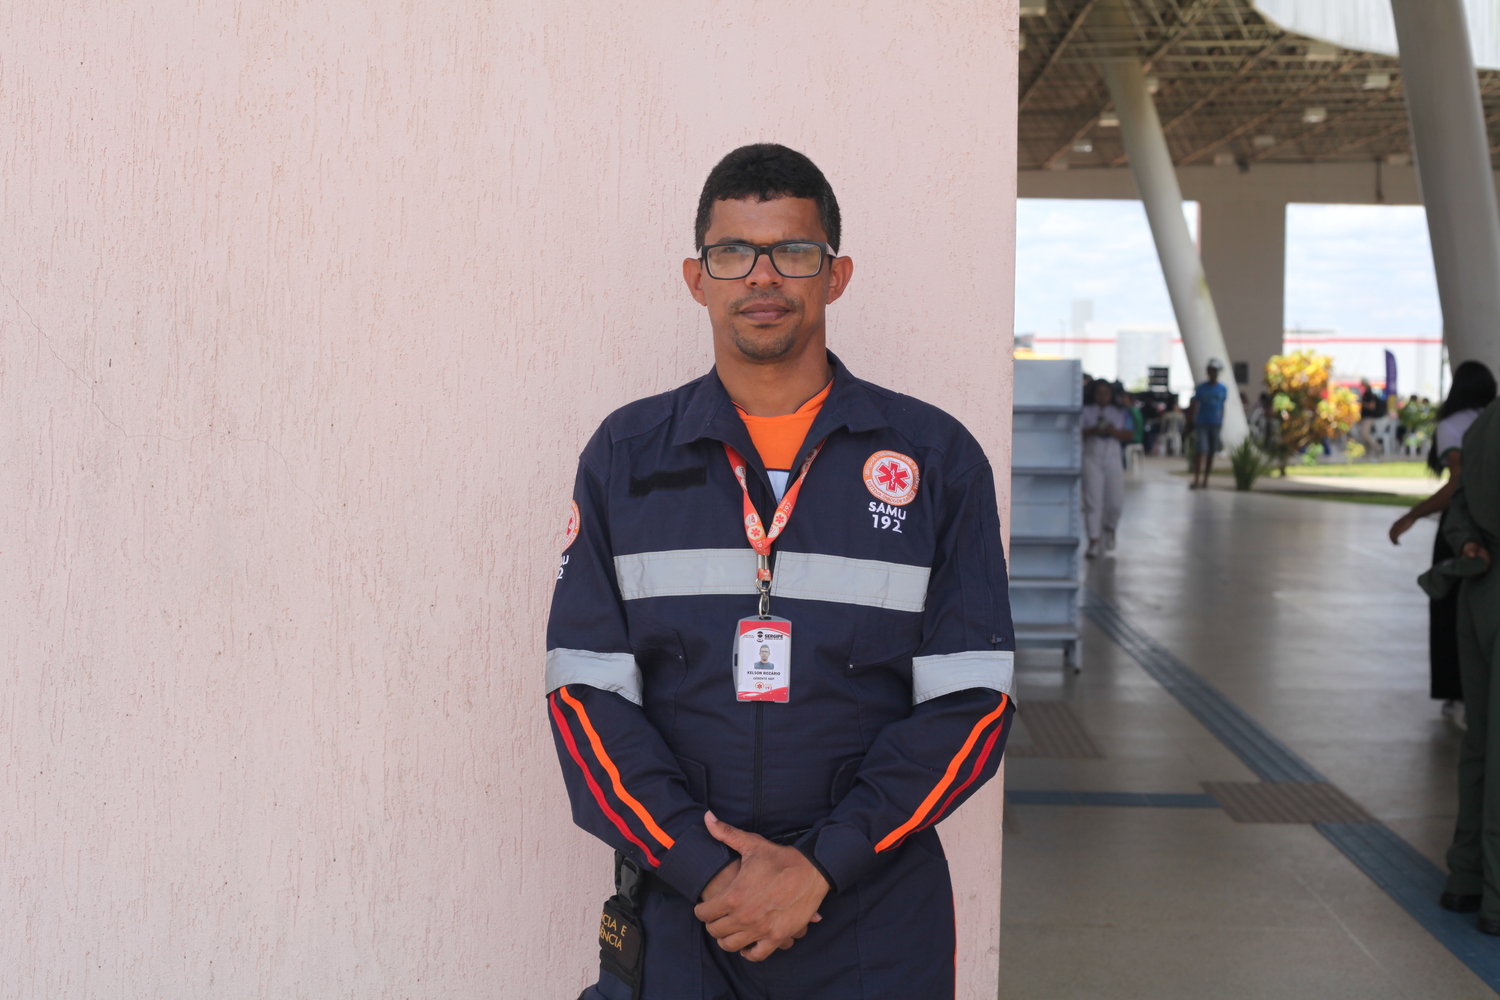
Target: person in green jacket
[(1472, 528)]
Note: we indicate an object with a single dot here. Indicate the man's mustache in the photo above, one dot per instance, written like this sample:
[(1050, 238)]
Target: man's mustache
[(780, 298)]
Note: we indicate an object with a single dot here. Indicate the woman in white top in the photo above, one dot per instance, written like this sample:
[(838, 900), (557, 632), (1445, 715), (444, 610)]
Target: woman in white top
[(1473, 389), (1106, 428)]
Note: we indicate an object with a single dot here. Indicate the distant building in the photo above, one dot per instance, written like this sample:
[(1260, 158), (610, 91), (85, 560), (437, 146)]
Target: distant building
[(1420, 363), (1125, 352)]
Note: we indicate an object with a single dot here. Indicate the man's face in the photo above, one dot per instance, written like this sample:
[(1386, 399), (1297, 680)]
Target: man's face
[(764, 317), (1213, 374), (765, 654)]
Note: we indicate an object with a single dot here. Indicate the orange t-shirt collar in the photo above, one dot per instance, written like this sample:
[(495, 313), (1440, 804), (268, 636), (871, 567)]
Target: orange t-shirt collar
[(778, 439)]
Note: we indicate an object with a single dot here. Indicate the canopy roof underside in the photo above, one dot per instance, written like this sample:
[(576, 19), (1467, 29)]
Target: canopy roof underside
[(1232, 87)]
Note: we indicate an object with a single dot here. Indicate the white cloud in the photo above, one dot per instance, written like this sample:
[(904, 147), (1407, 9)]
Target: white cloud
[(1360, 269), (1355, 268), (1099, 250)]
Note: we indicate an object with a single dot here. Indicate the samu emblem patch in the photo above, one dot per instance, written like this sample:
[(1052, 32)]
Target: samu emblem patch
[(891, 477), (574, 521)]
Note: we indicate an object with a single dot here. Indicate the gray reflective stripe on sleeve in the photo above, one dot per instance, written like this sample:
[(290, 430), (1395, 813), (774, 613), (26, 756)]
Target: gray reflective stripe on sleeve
[(615, 672), (935, 676), (685, 572), (810, 576)]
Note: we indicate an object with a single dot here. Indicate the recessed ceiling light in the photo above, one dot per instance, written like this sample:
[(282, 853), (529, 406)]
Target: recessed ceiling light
[(1109, 120), (1377, 81), (1083, 147), (1323, 52), (1263, 141), (1315, 116)]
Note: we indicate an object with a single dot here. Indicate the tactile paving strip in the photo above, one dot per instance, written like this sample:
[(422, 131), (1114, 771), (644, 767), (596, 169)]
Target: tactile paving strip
[(1394, 865), (1286, 802), (1055, 732)]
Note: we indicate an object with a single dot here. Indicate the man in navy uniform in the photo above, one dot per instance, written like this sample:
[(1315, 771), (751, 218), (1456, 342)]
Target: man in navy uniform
[(778, 848)]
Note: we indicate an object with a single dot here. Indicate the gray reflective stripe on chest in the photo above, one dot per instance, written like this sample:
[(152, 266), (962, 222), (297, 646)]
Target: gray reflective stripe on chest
[(803, 576)]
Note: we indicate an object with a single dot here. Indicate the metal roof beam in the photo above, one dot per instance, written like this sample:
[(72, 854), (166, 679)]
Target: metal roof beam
[(1328, 123), (1185, 21), (1057, 50), (1240, 130), (1062, 150), (1182, 115)]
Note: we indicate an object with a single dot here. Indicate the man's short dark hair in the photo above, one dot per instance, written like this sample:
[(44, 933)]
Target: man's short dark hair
[(767, 171)]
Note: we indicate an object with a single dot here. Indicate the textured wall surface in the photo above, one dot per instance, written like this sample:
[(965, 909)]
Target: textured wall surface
[(305, 311)]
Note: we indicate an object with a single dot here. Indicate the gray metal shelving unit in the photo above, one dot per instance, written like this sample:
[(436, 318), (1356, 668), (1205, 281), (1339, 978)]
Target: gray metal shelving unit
[(1046, 531)]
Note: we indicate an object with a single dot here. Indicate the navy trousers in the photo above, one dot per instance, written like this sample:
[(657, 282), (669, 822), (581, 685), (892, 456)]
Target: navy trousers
[(889, 937)]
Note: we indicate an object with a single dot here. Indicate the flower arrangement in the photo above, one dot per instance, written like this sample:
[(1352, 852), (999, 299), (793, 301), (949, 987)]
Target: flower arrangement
[(1307, 411)]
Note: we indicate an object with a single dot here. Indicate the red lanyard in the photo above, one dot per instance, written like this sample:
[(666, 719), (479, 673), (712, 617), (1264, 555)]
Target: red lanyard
[(760, 539)]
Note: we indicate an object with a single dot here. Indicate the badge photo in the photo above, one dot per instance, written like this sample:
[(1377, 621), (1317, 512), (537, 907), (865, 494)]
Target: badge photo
[(763, 660), (891, 477)]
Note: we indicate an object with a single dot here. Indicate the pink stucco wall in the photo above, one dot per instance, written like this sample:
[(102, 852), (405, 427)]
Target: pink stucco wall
[(305, 311)]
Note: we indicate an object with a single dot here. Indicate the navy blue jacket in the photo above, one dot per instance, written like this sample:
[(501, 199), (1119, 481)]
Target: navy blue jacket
[(902, 644)]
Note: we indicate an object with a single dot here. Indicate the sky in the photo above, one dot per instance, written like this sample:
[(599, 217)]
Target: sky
[(1354, 268)]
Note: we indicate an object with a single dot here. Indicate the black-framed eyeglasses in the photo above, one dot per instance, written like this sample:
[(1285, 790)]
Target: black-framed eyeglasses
[(791, 259)]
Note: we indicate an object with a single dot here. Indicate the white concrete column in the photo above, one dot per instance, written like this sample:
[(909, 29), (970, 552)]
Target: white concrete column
[(1453, 163), (1242, 238), (1156, 180)]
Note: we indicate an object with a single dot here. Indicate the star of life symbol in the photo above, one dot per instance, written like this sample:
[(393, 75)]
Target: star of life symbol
[(892, 477)]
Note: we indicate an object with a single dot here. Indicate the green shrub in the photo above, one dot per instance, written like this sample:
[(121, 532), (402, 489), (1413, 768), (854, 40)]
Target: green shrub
[(1249, 464)]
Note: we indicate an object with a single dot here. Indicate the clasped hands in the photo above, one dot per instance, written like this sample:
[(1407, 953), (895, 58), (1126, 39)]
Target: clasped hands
[(763, 901)]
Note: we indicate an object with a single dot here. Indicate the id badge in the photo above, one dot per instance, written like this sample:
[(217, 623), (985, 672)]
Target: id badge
[(763, 660)]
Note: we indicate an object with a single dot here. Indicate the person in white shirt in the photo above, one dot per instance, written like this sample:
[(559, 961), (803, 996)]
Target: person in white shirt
[(1173, 423), (1106, 429)]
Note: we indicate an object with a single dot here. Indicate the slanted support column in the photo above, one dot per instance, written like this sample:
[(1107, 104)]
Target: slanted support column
[(1243, 242), (1453, 167), (1156, 179)]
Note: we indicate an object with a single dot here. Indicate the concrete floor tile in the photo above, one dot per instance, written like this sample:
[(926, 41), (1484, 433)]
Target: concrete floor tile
[(1304, 615)]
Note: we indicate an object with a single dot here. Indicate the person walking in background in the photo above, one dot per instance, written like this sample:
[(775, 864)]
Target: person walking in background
[(1472, 528), (1126, 402), (1369, 412), (1151, 417), (1172, 425), (1473, 390), (1106, 428), (1207, 415)]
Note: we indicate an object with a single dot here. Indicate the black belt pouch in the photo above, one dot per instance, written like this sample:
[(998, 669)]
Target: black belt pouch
[(622, 942)]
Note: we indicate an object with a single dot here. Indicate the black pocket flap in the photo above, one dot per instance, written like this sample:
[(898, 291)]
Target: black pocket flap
[(697, 779), (843, 779), (885, 637)]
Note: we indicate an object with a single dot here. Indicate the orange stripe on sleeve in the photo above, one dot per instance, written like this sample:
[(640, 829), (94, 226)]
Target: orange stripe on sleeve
[(894, 837), (614, 772)]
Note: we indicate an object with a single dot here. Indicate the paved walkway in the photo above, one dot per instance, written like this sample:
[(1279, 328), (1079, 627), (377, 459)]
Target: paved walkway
[(1303, 615)]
